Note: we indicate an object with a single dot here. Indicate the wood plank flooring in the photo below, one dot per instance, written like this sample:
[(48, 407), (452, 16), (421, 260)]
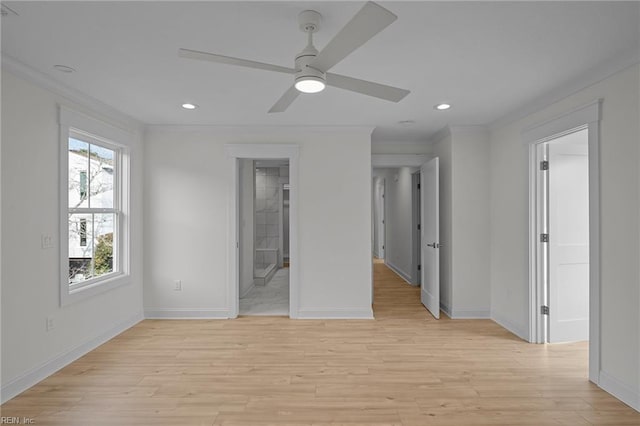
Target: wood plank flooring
[(403, 368)]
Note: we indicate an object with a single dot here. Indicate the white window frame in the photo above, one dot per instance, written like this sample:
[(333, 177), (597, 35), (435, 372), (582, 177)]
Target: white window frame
[(95, 132)]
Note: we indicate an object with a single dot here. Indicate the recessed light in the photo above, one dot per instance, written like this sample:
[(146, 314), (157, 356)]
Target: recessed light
[(63, 68), (442, 107), (189, 106)]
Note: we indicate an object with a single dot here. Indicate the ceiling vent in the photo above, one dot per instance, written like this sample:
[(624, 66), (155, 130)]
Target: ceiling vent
[(7, 11)]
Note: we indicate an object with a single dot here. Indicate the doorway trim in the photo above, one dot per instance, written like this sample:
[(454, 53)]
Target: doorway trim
[(586, 116), (234, 152)]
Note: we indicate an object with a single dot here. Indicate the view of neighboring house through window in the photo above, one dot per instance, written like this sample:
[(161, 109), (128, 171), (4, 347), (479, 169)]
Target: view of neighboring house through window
[(83, 232), (93, 210)]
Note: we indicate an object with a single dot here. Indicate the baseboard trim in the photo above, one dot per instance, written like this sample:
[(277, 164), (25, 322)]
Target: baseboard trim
[(402, 274), (37, 374), (170, 313), (470, 314), (332, 313), (623, 391), (446, 309), (505, 323)]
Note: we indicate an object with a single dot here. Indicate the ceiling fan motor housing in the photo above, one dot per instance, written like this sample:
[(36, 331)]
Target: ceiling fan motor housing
[(304, 69), (309, 22)]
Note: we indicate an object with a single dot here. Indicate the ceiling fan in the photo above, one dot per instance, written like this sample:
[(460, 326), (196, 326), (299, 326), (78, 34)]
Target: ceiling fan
[(311, 66)]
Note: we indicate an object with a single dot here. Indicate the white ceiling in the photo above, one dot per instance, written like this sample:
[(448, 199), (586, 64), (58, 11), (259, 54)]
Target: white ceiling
[(486, 58)]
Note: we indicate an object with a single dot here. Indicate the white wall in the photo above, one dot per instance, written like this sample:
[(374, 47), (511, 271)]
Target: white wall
[(398, 220), (187, 189), (464, 221), (247, 230), (401, 147), (30, 274), (620, 226), (470, 233)]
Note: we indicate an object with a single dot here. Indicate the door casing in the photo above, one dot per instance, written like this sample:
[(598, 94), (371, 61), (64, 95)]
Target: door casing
[(587, 116), (261, 151)]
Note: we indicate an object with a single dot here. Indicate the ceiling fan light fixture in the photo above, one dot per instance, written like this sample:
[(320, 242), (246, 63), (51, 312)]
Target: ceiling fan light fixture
[(310, 84)]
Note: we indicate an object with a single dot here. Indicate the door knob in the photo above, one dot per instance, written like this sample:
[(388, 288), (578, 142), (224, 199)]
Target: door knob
[(433, 245)]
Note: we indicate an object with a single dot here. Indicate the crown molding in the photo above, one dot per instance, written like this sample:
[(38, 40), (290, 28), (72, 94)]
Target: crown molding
[(71, 95)]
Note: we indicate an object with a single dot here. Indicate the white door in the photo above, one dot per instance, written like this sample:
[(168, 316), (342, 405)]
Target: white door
[(430, 236), (568, 238)]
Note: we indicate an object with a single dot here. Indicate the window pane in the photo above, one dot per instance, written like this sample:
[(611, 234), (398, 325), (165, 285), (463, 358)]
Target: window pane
[(78, 173), (80, 247), (91, 249), (103, 226), (101, 177)]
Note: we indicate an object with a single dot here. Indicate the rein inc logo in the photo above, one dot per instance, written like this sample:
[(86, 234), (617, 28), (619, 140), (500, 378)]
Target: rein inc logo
[(17, 421)]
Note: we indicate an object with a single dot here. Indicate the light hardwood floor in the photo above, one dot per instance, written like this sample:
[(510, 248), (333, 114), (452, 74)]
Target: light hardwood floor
[(403, 368)]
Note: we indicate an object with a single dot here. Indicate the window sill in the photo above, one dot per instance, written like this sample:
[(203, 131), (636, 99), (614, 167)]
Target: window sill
[(69, 296)]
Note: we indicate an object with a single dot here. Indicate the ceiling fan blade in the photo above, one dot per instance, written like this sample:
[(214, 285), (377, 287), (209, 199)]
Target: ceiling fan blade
[(368, 22), (369, 88), (285, 100), (212, 57)]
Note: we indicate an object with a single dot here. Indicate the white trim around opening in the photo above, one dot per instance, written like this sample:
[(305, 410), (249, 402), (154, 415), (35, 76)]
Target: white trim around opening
[(586, 116), (234, 152)]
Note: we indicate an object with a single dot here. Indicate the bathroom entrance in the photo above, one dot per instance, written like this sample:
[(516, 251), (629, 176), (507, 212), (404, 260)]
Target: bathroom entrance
[(264, 237)]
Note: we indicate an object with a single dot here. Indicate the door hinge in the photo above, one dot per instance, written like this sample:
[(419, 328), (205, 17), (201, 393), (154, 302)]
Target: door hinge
[(544, 310), (383, 247), (544, 165), (418, 186), (544, 238), (418, 227), (419, 267), (383, 221)]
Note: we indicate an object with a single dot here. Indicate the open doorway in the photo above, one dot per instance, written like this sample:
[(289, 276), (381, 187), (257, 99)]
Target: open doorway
[(242, 236), (406, 208), (583, 122), (562, 200), (264, 279)]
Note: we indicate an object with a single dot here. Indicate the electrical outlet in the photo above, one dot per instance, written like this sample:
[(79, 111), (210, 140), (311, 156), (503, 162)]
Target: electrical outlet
[(47, 241), (177, 285), (50, 324)]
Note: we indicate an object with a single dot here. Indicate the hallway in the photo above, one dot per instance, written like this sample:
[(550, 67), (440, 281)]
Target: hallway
[(403, 368), (393, 298)]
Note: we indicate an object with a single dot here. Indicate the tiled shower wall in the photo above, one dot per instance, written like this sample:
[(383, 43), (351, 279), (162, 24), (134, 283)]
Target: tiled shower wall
[(268, 206)]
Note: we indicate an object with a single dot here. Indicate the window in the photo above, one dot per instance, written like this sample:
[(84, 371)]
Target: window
[(94, 240), (93, 210)]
